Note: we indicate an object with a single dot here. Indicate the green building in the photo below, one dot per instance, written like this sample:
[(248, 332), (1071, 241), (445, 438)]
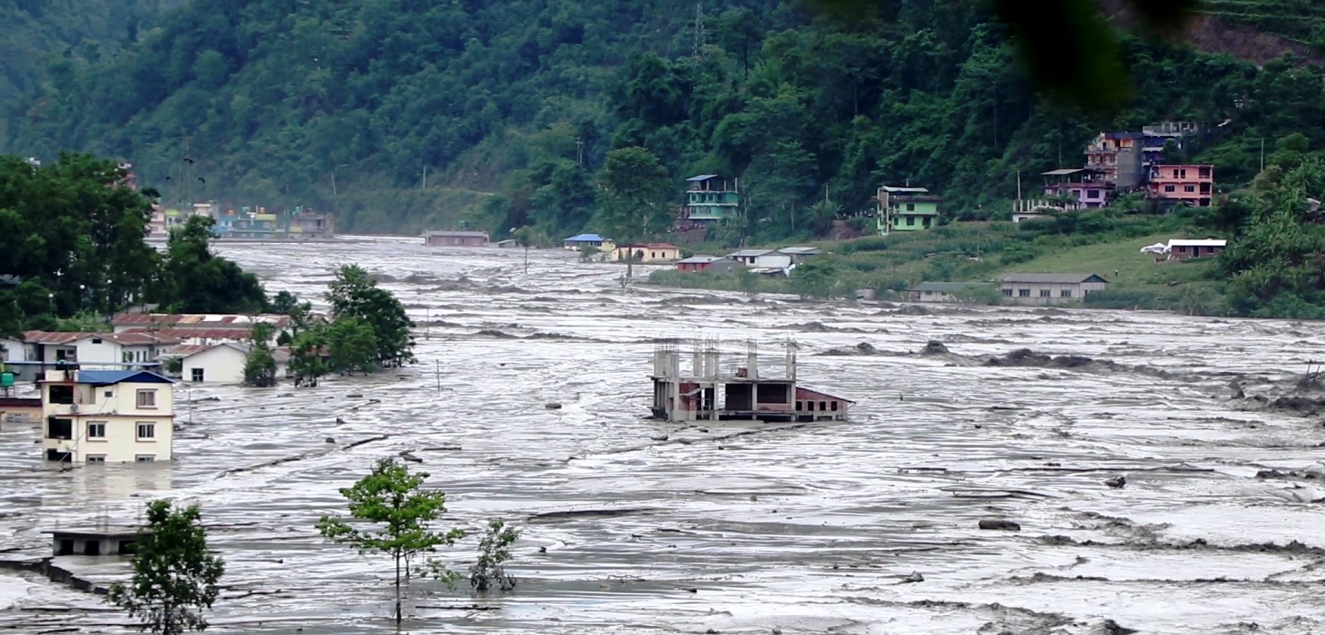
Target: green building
[(710, 197), (906, 209)]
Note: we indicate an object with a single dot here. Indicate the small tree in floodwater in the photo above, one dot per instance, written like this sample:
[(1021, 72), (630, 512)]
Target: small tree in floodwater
[(392, 501), (493, 551), (174, 576)]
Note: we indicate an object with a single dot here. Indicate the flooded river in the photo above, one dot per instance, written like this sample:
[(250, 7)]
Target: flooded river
[(867, 526)]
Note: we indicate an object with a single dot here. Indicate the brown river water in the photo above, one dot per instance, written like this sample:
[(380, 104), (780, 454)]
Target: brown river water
[(736, 528)]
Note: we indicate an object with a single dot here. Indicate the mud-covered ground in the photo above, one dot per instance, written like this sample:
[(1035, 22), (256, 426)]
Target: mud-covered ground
[(861, 527)]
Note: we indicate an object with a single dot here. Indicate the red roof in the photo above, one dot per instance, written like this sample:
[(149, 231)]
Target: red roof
[(236, 335), (198, 320), (805, 394), (123, 339), (48, 337)]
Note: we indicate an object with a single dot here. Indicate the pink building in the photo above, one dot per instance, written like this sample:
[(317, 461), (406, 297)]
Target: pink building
[(1087, 186), (1190, 184), (1118, 156)]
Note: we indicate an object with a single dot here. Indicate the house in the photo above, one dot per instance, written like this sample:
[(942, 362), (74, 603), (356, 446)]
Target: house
[(717, 265), (21, 410), (1191, 185), (710, 198), (943, 291), (907, 209), (509, 243), (457, 238), (800, 254), (105, 350), (647, 252), (741, 390), (576, 243), (1049, 288), (1117, 156), (213, 363), (1183, 249), (150, 322), (1085, 186), (107, 416), (761, 258), (156, 224), (103, 540), (1156, 137), (306, 224)]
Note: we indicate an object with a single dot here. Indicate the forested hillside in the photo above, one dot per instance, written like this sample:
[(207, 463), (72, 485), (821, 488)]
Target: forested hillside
[(511, 107)]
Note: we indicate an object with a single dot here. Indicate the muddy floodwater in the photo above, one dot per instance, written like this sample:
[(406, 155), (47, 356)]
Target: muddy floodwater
[(633, 525)]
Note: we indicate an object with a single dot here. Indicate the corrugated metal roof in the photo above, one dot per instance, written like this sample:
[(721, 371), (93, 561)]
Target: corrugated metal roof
[(701, 177), (1066, 171), (1053, 278), (649, 246), (1197, 242), (903, 190), (801, 251), (235, 321), (108, 377), (805, 394), (698, 260), (584, 238), (948, 287), (48, 337), (749, 253)]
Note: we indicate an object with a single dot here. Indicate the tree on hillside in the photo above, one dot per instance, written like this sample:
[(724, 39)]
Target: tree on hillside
[(399, 514), (632, 201), (174, 575), (353, 294)]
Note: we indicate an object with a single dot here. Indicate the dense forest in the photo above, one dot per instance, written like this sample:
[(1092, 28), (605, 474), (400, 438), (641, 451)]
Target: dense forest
[(507, 110)]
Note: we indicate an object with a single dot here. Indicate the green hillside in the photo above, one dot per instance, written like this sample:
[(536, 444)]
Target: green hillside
[(510, 108)]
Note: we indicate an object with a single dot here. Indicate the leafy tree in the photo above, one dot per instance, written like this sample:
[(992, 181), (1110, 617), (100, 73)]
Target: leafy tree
[(353, 345), (174, 575), (353, 294), (198, 281), (817, 278), (632, 203), (493, 552), (307, 360), (398, 511), (259, 363)]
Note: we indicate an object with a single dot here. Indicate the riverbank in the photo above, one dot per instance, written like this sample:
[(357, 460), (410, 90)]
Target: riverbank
[(983, 251)]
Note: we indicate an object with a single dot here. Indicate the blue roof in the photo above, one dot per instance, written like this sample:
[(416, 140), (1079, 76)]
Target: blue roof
[(108, 377), (585, 238)]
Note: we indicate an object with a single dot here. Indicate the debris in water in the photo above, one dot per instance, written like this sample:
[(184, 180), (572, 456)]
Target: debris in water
[(552, 406), (354, 395), (1117, 482), (331, 439), (934, 347), (914, 577), (999, 525), (410, 457)]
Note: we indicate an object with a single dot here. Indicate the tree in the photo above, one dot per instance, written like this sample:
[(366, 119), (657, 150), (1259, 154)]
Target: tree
[(632, 203), (353, 294), (493, 551), (259, 363), (353, 345), (307, 362), (199, 281), (392, 501), (174, 576)]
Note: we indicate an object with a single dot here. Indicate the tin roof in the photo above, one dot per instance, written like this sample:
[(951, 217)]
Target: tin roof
[(891, 189), (801, 251), (650, 246), (109, 377), (179, 334), (749, 253), (48, 337), (701, 177), (948, 287), (1197, 242), (1053, 278), (698, 260), (232, 321), (805, 394), (458, 233), (585, 238)]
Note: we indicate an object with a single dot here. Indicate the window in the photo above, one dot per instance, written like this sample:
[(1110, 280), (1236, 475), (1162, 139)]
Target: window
[(1168, 188), (108, 394), (910, 207), (146, 430), (1205, 173), (126, 356), (1183, 174), (800, 405), (59, 428), (1189, 188), (96, 340), (61, 394), (834, 404), (1092, 193), (96, 429), (96, 458), (823, 405), (1046, 293), (197, 374), (1007, 292), (910, 221), (144, 458), (1024, 293), (811, 406), (1175, 173), (1066, 293), (146, 398)]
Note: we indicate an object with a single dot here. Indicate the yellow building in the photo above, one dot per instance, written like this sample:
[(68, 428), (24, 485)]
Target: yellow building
[(107, 416), (647, 252)]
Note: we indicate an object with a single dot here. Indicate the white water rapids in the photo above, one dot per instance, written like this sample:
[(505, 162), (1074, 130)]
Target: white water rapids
[(734, 528)]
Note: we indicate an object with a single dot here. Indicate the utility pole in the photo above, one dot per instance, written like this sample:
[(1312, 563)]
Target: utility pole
[(425, 178), (579, 152), (699, 29), (1262, 154)]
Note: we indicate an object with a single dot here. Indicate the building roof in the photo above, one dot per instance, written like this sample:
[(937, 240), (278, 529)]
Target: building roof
[(650, 246), (1053, 278), (20, 402), (1067, 171), (947, 287), (48, 337), (1122, 135), (460, 233), (179, 334), (749, 253), (231, 321), (123, 339), (805, 394), (801, 251), (701, 177), (1197, 242), (699, 260), (109, 377), (585, 238), (904, 190)]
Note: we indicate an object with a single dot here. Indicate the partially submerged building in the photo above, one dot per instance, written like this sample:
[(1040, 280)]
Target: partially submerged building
[(945, 291), (106, 540), (580, 241), (1049, 288), (647, 252), (457, 238), (717, 265), (92, 416), (738, 389)]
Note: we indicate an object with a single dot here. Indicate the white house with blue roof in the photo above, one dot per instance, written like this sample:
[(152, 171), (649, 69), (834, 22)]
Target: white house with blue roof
[(107, 416), (576, 243)]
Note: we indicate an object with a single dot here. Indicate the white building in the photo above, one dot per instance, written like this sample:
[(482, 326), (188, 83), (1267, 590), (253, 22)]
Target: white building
[(105, 350), (761, 258), (221, 363), (1049, 288), (109, 416), (238, 324)]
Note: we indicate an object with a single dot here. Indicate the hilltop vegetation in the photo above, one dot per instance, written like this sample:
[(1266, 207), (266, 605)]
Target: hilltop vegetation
[(512, 107)]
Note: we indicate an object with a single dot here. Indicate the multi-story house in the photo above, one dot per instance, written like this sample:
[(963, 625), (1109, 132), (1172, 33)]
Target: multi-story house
[(108, 416), (1188, 184), (1157, 136), (1117, 155), (1086, 186), (710, 197), (907, 209)]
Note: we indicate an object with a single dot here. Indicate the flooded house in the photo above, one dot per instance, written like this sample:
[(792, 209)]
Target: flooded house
[(718, 265), (106, 416), (944, 291), (1049, 288), (738, 388), (647, 252), (456, 238), (580, 241)]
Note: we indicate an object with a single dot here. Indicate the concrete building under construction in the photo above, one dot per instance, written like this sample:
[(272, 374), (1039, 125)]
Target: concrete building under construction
[(736, 388)]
